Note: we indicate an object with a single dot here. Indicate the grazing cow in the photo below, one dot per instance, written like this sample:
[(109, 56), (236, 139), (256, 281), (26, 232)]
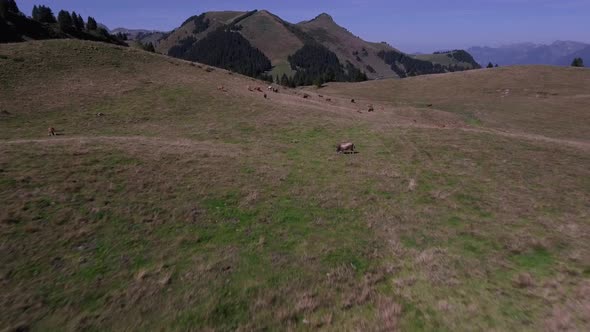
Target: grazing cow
[(100, 114), (371, 109), (345, 148), (270, 87), (265, 96), (352, 101), (51, 131), (275, 90), (220, 88), (250, 88), (305, 96), (328, 99), (429, 105), (259, 89)]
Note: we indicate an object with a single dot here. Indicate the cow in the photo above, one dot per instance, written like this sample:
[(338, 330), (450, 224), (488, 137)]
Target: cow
[(51, 131), (265, 96), (306, 96), (352, 101), (371, 109), (345, 148)]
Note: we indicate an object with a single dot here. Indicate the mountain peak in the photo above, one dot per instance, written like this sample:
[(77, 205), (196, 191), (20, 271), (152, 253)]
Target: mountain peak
[(324, 16)]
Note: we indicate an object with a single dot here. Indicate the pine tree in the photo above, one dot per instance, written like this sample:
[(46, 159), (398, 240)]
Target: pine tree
[(3, 8), (35, 13), (8, 6), (490, 65), (91, 25), (496, 65), (149, 47), (578, 62), (285, 80), (80, 23), (65, 20), (45, 15), (75, 20)]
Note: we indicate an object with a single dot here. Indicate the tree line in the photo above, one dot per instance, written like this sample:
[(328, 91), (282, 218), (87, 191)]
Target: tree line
[(225, 49), (43, 24), (315, 64)]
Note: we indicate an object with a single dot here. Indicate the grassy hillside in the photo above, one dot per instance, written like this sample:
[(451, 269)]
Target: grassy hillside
[(186, 207), (457, 58), (269, 34), (542, 100), (348, 47), (216, 20)]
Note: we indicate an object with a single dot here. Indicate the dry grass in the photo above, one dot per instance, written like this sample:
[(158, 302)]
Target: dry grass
[(185, 207)]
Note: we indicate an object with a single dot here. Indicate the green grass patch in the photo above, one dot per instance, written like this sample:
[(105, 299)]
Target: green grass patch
[(538, 260)]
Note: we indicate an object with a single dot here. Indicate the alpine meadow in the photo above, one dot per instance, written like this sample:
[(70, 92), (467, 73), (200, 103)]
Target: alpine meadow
[(240, 172)]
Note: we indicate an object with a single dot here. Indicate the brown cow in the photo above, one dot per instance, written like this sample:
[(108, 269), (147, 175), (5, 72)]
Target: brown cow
[(345, 148), (51, 131)]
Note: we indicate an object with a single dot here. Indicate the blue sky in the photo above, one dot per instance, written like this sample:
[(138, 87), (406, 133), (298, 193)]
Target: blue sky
[(410, 25)]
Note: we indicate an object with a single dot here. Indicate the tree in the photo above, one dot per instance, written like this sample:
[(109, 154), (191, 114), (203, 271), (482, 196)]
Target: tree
[(578, 62), (35, 13), (285, 80), (496, 65), (8, 6), (78, 21), (490, 65), (91, 25), (65, 20), (43, 14), (149, 47)]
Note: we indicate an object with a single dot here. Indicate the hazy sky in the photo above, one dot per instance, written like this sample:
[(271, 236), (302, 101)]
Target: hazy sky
[(410, 25)]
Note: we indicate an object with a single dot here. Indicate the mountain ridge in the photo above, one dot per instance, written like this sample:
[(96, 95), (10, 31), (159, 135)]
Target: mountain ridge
[(560, 52), (278, 40)]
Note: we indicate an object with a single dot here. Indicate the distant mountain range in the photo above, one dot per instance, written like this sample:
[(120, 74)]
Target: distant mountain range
[(559, 53), (141, 35)]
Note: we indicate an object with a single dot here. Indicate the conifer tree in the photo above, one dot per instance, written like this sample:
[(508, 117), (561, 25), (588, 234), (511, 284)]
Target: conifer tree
[(65, 20), (578, 62), (91, 25), (44, 15)]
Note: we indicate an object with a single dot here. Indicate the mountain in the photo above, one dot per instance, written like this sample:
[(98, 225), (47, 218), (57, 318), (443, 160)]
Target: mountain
[(318, 50), (140, 35), (583, 53), (348, 47), (528, 53)]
